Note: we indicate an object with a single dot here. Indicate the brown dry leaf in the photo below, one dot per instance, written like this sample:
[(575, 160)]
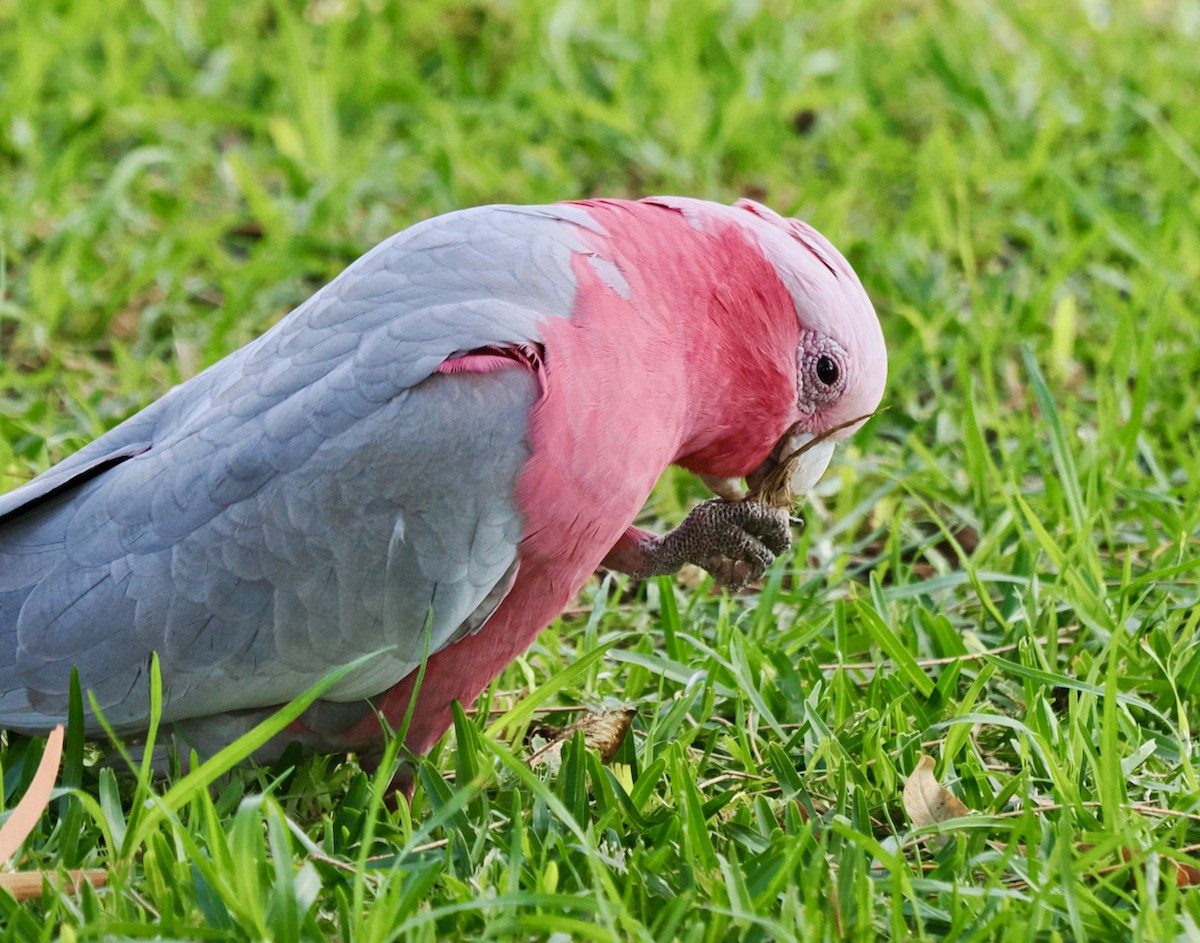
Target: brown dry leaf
[(27, 885), (1186, 875), (602, 730), (927, 801), (25, 816)]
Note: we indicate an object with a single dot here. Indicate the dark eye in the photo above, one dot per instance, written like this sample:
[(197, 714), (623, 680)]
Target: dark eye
[(827, 371)]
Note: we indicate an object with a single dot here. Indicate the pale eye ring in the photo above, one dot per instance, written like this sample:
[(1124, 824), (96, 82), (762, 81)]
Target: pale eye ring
[(827, 370)]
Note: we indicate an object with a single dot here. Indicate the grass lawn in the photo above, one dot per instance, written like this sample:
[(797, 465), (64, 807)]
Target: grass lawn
[(999, 572)]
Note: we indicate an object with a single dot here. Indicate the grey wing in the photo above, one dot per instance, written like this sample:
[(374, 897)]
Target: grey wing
[(487, 275), (306, 500), (406, 514)]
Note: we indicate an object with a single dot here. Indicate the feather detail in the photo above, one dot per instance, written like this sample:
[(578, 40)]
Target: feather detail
[(493, 357)]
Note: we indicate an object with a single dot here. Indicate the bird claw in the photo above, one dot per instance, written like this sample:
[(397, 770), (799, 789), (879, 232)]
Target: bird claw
[(735, 541)]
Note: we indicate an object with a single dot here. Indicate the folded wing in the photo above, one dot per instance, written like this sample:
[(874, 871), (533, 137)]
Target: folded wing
[(320, 494)]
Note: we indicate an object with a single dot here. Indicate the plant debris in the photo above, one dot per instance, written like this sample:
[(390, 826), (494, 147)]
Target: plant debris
[(604, 731), (927, 801), (776, 488)]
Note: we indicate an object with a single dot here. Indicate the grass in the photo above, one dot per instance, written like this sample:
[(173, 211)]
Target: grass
[(1000, 571)]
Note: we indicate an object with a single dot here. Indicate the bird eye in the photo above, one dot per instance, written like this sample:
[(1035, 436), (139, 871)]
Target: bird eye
[(827, 371)]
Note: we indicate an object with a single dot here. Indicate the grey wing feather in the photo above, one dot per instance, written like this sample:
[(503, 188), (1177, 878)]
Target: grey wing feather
[(306, 500), (46, 486)]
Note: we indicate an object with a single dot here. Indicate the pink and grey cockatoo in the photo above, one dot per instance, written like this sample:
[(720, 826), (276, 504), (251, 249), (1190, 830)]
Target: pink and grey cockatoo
[(438, 448)]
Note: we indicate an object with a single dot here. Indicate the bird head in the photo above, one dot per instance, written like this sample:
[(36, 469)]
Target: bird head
[(841, 360)]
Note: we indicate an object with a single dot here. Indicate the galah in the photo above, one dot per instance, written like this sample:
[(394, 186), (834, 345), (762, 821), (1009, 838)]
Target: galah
[(427, 459)]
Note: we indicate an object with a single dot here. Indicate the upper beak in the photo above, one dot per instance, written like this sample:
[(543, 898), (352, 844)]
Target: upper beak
[(807, 468)]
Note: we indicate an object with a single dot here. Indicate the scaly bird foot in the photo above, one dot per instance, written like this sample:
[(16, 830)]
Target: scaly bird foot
[(734, 541)]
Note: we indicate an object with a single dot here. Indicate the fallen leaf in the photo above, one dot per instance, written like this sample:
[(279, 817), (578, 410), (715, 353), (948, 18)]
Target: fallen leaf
[(604, 731), (927, 801), (1186, 875), (25, 816)]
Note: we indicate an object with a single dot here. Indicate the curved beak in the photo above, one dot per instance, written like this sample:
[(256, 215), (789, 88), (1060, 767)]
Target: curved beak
[(806, 468)]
